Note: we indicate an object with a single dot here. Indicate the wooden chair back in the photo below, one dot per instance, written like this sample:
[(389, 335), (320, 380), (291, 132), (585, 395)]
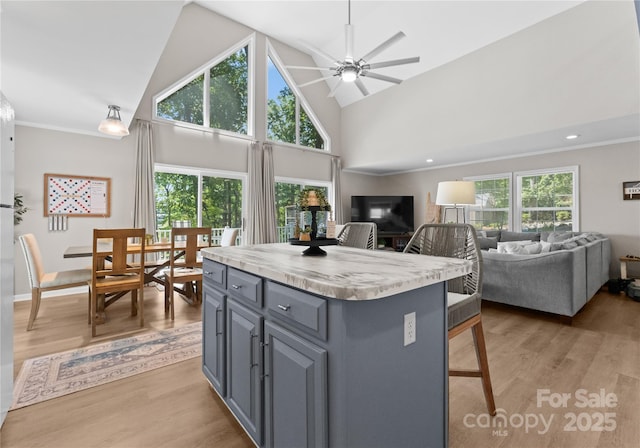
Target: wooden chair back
[(113, 271), (112, 245), (188, 240)]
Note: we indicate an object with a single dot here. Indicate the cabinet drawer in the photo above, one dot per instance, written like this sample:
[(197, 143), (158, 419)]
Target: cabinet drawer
[(245, 286), (214, 273), (304, 311)]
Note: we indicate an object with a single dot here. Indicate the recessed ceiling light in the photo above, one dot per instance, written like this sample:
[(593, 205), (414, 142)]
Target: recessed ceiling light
[(429, 160), (572, 136)]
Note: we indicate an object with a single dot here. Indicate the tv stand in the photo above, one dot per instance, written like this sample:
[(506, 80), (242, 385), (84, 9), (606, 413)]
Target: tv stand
[(394, 241)]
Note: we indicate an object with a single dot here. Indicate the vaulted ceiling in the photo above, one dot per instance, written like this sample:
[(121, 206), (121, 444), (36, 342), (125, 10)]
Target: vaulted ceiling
[(63, 62)]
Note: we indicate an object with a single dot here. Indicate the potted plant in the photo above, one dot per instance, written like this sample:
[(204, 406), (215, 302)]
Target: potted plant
[(305, 234), (310, 197), (19, 209)]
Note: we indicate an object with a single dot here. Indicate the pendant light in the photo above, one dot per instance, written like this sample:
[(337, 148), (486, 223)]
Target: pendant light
[(113, 125)]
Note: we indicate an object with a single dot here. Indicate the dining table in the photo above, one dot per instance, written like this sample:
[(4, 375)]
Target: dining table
[(153, 268)]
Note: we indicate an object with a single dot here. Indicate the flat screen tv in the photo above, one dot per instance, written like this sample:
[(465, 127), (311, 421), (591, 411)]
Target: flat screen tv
[(392, 214)]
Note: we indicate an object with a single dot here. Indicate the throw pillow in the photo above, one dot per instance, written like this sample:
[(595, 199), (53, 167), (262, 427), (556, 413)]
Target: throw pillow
[(513, 247), (488, 243), (556, 237), (545, 247), (563, 245)]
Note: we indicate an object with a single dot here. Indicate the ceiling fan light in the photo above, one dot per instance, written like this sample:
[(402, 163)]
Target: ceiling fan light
[(349, 74), (113, 125)]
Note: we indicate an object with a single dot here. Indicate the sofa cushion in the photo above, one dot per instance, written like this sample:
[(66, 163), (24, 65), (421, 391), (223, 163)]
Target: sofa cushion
[(519, 236), (488, 242)]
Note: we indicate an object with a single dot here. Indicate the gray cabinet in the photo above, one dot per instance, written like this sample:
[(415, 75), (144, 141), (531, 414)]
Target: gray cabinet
[(244, 367), (290, 397), (213, 337), (301, 370), (295, 390)]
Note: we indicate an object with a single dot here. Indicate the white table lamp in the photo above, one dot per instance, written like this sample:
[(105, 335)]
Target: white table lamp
[(454, 193)]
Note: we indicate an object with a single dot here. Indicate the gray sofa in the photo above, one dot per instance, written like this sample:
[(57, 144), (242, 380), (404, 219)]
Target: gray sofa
[(560, 281)]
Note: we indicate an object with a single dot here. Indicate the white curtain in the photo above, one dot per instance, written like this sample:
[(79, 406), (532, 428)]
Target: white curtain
[(261, 225), (269, 194), (144, 211), (336, 168)]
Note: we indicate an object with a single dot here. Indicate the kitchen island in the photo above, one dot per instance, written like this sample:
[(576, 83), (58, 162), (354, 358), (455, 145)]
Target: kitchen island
[(347, 350)]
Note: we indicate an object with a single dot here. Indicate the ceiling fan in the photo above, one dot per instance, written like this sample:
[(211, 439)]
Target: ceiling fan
[(353, 70)]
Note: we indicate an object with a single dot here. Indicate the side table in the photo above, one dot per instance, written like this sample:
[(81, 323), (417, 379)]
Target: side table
[(623, 265)]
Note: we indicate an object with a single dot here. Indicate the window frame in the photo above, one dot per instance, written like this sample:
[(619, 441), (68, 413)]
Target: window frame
[(575, 209), (206, 172), (204, 70), (301, 102), (509, 177)]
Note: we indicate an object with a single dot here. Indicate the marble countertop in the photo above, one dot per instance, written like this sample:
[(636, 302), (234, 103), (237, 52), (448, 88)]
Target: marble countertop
[(344, 273)]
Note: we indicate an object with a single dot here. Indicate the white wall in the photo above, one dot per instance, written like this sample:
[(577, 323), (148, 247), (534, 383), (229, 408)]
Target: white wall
[(40, 151), (601, 171), (581, 66)]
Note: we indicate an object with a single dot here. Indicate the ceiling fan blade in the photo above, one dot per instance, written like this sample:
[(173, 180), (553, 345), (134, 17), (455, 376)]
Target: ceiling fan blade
[(348, 32), (383, 46), (394, 62), (382, 77), (322, 54), (360, 85), (315, 81), (335, 88), (300, 67)]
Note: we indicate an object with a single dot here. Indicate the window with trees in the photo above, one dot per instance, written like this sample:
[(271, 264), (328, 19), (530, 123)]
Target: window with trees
[(190, 197), (216, 96), (288, 119), (492, 210), (547, 200), (286, 194)]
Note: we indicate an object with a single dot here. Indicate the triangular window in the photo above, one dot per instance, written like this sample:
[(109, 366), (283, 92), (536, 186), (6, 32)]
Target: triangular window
[(216, 96), (288, 120)]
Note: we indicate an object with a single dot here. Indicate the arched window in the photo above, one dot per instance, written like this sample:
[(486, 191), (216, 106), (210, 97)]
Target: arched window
[(289, 118), (216, 96)]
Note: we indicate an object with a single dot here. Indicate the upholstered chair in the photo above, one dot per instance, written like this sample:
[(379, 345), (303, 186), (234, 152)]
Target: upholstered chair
[(229, 236), (42, 281)]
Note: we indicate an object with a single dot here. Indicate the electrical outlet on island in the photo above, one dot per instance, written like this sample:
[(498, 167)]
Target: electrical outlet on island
[(409, 328)]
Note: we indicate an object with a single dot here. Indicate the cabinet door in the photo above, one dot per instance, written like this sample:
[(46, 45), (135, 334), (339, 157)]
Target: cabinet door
[(244, 367), (213, 341), (295, 390)]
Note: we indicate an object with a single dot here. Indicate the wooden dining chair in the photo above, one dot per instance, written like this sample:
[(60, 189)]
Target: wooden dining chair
[(464, 293), (112, 271), (185, 265), (42, 281)]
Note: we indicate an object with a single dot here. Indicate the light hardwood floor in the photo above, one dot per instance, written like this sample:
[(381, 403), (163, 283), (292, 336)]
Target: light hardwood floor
[(175, 406)]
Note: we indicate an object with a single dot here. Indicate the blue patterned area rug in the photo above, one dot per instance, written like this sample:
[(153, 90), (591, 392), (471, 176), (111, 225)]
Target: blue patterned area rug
[(52, 376)]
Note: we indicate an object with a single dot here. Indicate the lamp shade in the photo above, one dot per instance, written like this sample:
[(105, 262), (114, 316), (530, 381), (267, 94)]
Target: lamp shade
[(113, 125), (456, 192)]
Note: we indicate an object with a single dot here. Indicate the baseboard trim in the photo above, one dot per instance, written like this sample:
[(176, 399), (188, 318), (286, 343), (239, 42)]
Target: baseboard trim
[(56, 293)]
